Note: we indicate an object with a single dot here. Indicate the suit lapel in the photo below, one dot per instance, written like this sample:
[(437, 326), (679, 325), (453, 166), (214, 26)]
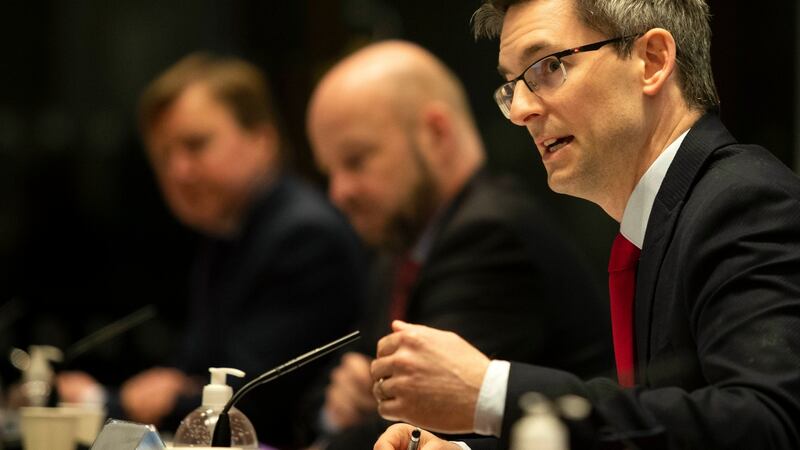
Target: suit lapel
[(448, 221), (706, 135)]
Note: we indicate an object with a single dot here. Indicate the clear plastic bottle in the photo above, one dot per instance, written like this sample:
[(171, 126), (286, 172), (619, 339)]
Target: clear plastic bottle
[(197, 428), (37, 378), (540, 428)]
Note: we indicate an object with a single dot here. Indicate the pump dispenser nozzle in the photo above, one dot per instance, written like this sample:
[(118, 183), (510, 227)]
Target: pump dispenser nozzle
[(217, 392)]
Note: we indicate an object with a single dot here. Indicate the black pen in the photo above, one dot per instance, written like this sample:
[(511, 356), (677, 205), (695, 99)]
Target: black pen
[(414, 442)]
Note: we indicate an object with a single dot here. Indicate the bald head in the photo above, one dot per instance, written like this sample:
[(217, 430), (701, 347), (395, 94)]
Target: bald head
[(396, 74), (387, 123)]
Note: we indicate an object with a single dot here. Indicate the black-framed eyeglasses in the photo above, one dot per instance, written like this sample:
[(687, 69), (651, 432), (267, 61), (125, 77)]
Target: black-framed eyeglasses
[(544, 75)]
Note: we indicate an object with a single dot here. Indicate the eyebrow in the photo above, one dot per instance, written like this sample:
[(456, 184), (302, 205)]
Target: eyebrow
[(527, 55)]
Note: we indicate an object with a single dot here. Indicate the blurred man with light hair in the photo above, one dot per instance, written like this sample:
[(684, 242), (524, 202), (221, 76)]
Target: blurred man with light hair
[(278, 272)]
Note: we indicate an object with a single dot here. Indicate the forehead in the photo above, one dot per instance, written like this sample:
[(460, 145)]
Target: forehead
[(347, 107), (535, 28), (196, 98), (194, 111), (195, 106), (339, 125)]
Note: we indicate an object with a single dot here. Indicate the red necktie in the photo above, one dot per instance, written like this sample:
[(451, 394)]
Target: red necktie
[(622, 289), (405, 274)]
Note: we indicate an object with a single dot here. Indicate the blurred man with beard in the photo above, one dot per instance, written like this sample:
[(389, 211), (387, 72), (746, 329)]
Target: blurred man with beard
[(463, 250)]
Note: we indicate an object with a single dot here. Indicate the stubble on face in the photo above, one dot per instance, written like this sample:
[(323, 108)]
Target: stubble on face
[(379, 177), (595, 107), (406, 224)]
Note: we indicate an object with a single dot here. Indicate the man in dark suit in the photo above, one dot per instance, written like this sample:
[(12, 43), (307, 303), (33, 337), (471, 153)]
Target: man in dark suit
[(279, 270), (467, 251), (704, 277)]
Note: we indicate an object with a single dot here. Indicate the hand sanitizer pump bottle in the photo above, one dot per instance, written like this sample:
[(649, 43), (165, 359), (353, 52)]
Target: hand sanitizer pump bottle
[(197, 428), (540, 428), (37, 378)]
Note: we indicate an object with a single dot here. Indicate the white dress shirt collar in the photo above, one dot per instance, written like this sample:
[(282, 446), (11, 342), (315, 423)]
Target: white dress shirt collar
[(640, 203)]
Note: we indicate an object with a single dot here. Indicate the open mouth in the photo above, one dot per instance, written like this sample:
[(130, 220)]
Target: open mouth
[(553, 145)]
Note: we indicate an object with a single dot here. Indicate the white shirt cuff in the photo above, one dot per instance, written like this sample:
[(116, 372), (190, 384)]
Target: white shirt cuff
[(492, 399), (325, 423), (94, 395), (462, 445)]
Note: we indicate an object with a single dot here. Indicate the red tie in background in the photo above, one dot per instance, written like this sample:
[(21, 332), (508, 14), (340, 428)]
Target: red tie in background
[(405, 273), (622, 289)]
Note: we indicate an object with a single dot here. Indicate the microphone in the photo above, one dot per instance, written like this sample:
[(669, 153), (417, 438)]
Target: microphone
[(222, 430), (22, 360), (109, 332)]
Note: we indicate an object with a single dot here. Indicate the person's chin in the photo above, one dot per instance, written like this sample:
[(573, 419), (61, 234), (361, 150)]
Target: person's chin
[(213, 227), (560, 182), (370, 236), (392, 242)]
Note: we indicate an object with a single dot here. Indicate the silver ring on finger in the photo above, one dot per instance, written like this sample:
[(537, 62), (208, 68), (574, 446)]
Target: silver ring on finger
[(381, 393)]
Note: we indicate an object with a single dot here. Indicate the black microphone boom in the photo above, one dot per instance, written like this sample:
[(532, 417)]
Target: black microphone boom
[(109, 332), (222, 430)]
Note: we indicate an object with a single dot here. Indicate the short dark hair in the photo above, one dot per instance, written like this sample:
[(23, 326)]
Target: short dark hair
[(236, 83), (687, 20)]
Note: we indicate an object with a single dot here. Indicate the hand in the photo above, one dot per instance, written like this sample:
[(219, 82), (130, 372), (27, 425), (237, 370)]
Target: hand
[(77, 387), (348, 398), (151, 395), (16, 397), (430, 377), (396, 437)]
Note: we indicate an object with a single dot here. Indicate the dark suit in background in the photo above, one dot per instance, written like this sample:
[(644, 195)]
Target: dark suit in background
[(717, 309), (499, 274), (290, 283)]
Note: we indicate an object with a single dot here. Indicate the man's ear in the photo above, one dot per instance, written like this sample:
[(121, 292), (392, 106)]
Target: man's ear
[(656, 49), (437, 132)]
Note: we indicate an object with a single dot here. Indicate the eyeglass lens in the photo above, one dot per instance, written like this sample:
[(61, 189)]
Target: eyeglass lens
[(545, 75)]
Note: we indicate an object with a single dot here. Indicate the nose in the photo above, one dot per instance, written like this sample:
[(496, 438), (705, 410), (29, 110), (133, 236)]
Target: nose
[(340, 188), (525, 105), (179, 166)]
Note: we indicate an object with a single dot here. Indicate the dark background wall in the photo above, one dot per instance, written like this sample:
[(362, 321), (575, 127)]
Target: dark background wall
[(84, 236)]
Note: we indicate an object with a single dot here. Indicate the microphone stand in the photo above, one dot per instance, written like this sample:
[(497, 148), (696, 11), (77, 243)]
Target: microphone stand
[(222, 430), (109, 332)]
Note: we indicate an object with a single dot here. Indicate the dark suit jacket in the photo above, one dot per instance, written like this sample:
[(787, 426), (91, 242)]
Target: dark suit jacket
[(292, 281), (500, 275), (717, 311)]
